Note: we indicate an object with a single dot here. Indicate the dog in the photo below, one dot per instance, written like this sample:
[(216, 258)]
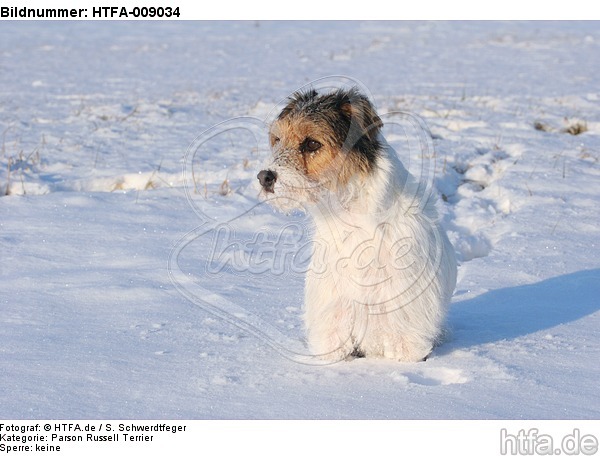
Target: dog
[(390, 269)]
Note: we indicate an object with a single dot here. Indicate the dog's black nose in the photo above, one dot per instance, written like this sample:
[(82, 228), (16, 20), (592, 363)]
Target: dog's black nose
[(267, 179)]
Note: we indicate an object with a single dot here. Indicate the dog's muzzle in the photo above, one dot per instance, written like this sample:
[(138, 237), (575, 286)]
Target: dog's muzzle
[(267, 179)]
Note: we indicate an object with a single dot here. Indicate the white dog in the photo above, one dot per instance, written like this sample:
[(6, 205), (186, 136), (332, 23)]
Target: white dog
[(382, 270)]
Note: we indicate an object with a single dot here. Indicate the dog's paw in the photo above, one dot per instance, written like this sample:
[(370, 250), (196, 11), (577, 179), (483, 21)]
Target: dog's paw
[(406, 352), (356, 353), (336, 355)]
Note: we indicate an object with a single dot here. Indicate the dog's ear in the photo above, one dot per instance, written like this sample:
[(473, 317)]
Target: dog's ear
[(363, 125), (296, 101), (361, 113)]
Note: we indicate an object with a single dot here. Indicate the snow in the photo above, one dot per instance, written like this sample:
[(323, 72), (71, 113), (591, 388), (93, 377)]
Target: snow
[(133, 290)]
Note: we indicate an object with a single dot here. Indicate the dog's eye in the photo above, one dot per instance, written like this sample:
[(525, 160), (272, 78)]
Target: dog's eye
[(274, 140), (310, 145)]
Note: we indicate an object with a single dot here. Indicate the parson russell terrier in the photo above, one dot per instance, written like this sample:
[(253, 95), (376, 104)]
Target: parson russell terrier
[(390, 269)]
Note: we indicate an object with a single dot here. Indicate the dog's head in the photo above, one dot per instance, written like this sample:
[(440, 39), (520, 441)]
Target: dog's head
[(320, 143)]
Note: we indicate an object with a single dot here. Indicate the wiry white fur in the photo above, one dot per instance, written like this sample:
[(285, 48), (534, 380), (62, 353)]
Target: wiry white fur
[(389, 267)]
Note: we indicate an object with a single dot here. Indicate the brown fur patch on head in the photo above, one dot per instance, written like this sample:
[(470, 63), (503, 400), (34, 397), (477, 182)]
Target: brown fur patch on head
[(345, 125)]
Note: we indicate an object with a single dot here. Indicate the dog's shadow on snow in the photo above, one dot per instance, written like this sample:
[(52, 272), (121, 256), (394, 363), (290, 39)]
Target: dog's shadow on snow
[(509, 313)]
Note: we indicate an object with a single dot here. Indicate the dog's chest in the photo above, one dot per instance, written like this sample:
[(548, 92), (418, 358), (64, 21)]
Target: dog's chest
[(360, 254)]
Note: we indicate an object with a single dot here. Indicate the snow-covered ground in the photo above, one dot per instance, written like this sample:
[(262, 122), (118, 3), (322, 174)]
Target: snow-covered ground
[(119, 294)]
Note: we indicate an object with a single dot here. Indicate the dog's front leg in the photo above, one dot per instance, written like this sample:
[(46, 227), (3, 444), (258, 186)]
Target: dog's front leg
[(329, 319)]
